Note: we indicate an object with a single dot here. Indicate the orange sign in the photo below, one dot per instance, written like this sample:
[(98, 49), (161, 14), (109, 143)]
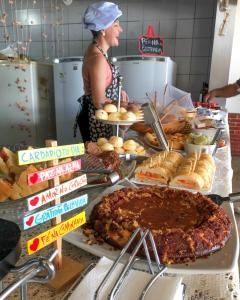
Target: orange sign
[(51, 235)]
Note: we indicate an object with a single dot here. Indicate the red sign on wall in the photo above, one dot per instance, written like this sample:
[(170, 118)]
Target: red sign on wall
[(150, 45)]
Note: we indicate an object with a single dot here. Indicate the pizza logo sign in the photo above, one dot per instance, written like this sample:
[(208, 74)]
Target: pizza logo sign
[(150, 45)]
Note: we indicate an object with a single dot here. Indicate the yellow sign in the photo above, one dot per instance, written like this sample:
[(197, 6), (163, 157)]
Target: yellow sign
[(32, 156), (51, 235)]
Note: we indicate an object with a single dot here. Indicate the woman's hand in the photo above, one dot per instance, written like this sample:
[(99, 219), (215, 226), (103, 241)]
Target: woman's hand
[(209, 96), (124, 99)]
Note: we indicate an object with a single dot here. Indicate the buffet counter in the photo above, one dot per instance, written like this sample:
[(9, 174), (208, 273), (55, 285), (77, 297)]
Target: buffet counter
[(214, 286)]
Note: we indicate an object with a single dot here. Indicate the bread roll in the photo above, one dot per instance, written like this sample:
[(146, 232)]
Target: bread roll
[(115, 116), (129, 145), (110, 108), (101, 114), (128, 116), (101, 141), (140, 150), (116, 141), (119, 150), (123, 110), (134, 107), (107, 147)]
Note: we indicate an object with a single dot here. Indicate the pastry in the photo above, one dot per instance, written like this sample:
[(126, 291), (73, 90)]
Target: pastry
[(101, 114), (128, 116), (129, 145), (107, 147), (114, 116), (101, 141), (110, 108), (185, 226), (116, 141)]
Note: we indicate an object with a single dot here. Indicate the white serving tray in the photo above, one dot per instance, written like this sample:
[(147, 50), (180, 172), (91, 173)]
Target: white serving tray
[(222, 261)]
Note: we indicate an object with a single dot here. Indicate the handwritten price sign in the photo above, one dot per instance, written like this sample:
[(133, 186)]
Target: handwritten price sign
[(57, 191), (50, 153), (51, 235), (50, 173), (52, 212)]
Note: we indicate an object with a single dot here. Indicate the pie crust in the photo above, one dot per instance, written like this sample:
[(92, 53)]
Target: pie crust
[(184, 225)]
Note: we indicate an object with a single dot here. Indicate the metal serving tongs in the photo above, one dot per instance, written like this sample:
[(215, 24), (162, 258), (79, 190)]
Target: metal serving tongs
[(151, 118), (141, 241), (128, 156), (113, 177), (92, 164)]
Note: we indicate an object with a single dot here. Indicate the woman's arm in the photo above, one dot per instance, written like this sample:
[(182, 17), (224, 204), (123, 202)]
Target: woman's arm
[(225, 92)]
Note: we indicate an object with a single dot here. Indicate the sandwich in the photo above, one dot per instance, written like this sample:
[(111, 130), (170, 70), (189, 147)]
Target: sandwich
[(156, 174), (188, 180)]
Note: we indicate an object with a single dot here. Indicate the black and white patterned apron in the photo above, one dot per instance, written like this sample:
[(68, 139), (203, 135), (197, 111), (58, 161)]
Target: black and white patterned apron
[(90, 128)]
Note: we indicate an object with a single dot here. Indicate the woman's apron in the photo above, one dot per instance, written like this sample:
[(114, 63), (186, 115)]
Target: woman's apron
[(90, 128)]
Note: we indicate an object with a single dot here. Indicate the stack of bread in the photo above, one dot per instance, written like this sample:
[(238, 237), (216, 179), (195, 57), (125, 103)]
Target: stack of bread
[(117, 144), (193, 171), (160, 167), (13, 178), (111, 113), (196, 171)]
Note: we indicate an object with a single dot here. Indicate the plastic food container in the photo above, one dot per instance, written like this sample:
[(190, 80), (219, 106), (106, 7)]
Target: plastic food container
[(190, 148)]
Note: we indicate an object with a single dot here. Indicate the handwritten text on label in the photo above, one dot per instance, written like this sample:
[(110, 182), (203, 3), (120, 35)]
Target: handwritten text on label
[(57, 191), (50, 173), (51, 235), (52, 212), (45, 154)]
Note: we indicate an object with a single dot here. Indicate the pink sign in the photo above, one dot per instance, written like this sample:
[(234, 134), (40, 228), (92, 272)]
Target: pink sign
[(50, 173)]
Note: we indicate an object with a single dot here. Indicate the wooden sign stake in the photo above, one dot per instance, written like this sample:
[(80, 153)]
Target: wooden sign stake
[(54, 182), (67, 269)]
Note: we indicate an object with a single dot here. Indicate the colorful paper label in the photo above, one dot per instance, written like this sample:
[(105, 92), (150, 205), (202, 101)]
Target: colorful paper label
[(54, 211), (49, 153), (51, 235), (57, 191), (50, 173)]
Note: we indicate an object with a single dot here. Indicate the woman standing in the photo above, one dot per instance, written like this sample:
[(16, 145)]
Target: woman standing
[(100, 76)]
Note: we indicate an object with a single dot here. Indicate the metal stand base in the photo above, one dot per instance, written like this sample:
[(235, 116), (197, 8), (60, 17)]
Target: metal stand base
[(29, 273)]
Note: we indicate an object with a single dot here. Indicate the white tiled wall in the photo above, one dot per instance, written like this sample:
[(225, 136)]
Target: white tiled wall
[(186, 25)]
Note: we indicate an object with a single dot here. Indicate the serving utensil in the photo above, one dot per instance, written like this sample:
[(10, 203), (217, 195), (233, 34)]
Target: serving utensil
[(216, 136), (113, 177), (128, 156), (232, 198)]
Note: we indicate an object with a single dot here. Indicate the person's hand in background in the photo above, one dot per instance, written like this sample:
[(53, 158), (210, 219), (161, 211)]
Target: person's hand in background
[(226, 91), (209, 96), (124, 99)]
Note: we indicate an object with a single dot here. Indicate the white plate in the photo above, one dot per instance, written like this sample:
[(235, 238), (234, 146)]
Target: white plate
[(120, 122), (151, 182), (222, 261)]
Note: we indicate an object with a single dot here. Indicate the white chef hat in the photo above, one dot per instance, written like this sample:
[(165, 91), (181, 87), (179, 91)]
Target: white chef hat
[(101, 15)]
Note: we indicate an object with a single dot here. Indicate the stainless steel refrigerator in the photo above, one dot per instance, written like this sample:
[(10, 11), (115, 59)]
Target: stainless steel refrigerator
[(27, 103), (68, 85)]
